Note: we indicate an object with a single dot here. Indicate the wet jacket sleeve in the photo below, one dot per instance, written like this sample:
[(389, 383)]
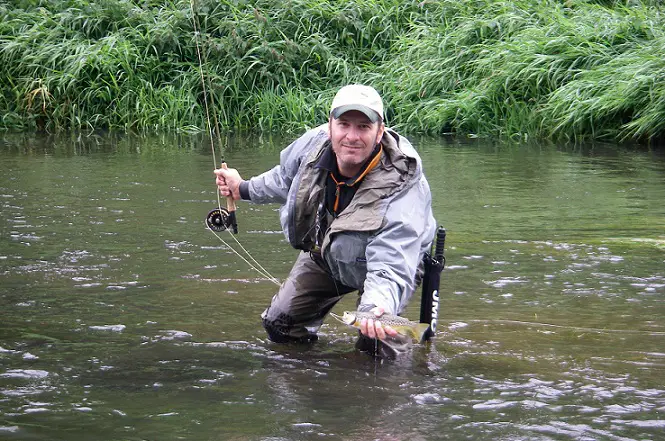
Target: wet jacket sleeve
[(395, 252), (274, 185)]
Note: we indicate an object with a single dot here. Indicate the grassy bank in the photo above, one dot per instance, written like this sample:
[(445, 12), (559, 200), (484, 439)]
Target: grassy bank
[(548, 69)]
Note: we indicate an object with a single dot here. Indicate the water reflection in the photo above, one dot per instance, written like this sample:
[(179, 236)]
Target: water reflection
[(123, 318)]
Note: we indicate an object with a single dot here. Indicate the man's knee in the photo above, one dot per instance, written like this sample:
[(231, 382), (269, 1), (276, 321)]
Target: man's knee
[(278, 328), (282, 329)]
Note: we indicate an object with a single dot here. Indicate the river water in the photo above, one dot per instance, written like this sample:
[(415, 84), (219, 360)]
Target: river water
[(124, 318)]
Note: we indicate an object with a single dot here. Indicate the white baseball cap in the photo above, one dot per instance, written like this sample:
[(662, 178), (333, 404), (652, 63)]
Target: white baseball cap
[(358, 97)]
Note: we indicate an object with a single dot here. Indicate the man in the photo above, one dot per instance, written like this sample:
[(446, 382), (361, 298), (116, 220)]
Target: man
[(355, 201)]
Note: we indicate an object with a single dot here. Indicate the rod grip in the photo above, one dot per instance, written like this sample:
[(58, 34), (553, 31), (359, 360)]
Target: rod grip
[(440, 244), (230, 203)]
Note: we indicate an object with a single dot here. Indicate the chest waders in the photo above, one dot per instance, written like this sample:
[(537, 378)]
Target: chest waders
[(429, 301)]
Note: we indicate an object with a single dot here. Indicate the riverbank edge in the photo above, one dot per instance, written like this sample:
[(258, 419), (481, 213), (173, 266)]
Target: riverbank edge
[(578, 70)]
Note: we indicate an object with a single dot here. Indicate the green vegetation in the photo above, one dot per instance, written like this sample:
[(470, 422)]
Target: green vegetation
[(550, 69)]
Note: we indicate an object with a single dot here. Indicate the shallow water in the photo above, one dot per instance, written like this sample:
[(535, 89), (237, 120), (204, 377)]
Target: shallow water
[(124, 318)]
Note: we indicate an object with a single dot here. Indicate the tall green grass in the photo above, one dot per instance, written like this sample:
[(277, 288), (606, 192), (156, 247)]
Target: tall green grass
[(553, 71), (550, 69)]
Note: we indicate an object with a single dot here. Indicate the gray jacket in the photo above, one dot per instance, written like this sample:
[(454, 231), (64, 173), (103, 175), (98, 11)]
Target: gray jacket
[(377, 243)]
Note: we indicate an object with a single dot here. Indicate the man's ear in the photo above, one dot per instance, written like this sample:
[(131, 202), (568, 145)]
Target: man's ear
[(379, 134)]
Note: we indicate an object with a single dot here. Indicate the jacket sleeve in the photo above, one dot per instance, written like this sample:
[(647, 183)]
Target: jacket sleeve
[(395, 252), (274, 185)]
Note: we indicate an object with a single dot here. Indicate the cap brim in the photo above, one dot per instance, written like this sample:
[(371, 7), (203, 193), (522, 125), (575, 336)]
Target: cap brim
[(371, 114)]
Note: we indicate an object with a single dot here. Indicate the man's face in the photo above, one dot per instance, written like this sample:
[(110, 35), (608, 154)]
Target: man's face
[(353, 138)]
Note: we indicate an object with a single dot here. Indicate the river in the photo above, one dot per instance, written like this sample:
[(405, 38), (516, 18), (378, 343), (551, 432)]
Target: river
[(124, 318)]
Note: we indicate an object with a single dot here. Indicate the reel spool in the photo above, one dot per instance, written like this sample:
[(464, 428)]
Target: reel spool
[(219, 219)]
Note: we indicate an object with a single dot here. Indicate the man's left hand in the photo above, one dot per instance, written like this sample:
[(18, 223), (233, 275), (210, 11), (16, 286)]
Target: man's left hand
[(373, 328)]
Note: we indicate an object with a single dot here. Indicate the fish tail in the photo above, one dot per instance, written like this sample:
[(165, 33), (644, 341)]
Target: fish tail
[(419, 331)]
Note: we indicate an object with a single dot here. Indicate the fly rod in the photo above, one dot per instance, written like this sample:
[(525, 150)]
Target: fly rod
[(429, 302)]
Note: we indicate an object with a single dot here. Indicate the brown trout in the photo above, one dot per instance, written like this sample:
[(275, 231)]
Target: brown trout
[(402, 325)]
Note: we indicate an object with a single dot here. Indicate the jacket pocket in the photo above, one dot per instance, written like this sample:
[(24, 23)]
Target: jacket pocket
[(345, 256)]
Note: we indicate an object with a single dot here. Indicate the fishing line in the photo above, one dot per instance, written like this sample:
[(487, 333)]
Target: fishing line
[(258, 268), (253, 264), (571, 328)]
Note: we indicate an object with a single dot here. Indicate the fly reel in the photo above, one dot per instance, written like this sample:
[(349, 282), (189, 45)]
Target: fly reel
[(220, 219)]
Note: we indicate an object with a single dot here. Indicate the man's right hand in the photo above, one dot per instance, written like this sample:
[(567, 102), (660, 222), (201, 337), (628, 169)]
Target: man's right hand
[(373, 328), (228, 182)]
